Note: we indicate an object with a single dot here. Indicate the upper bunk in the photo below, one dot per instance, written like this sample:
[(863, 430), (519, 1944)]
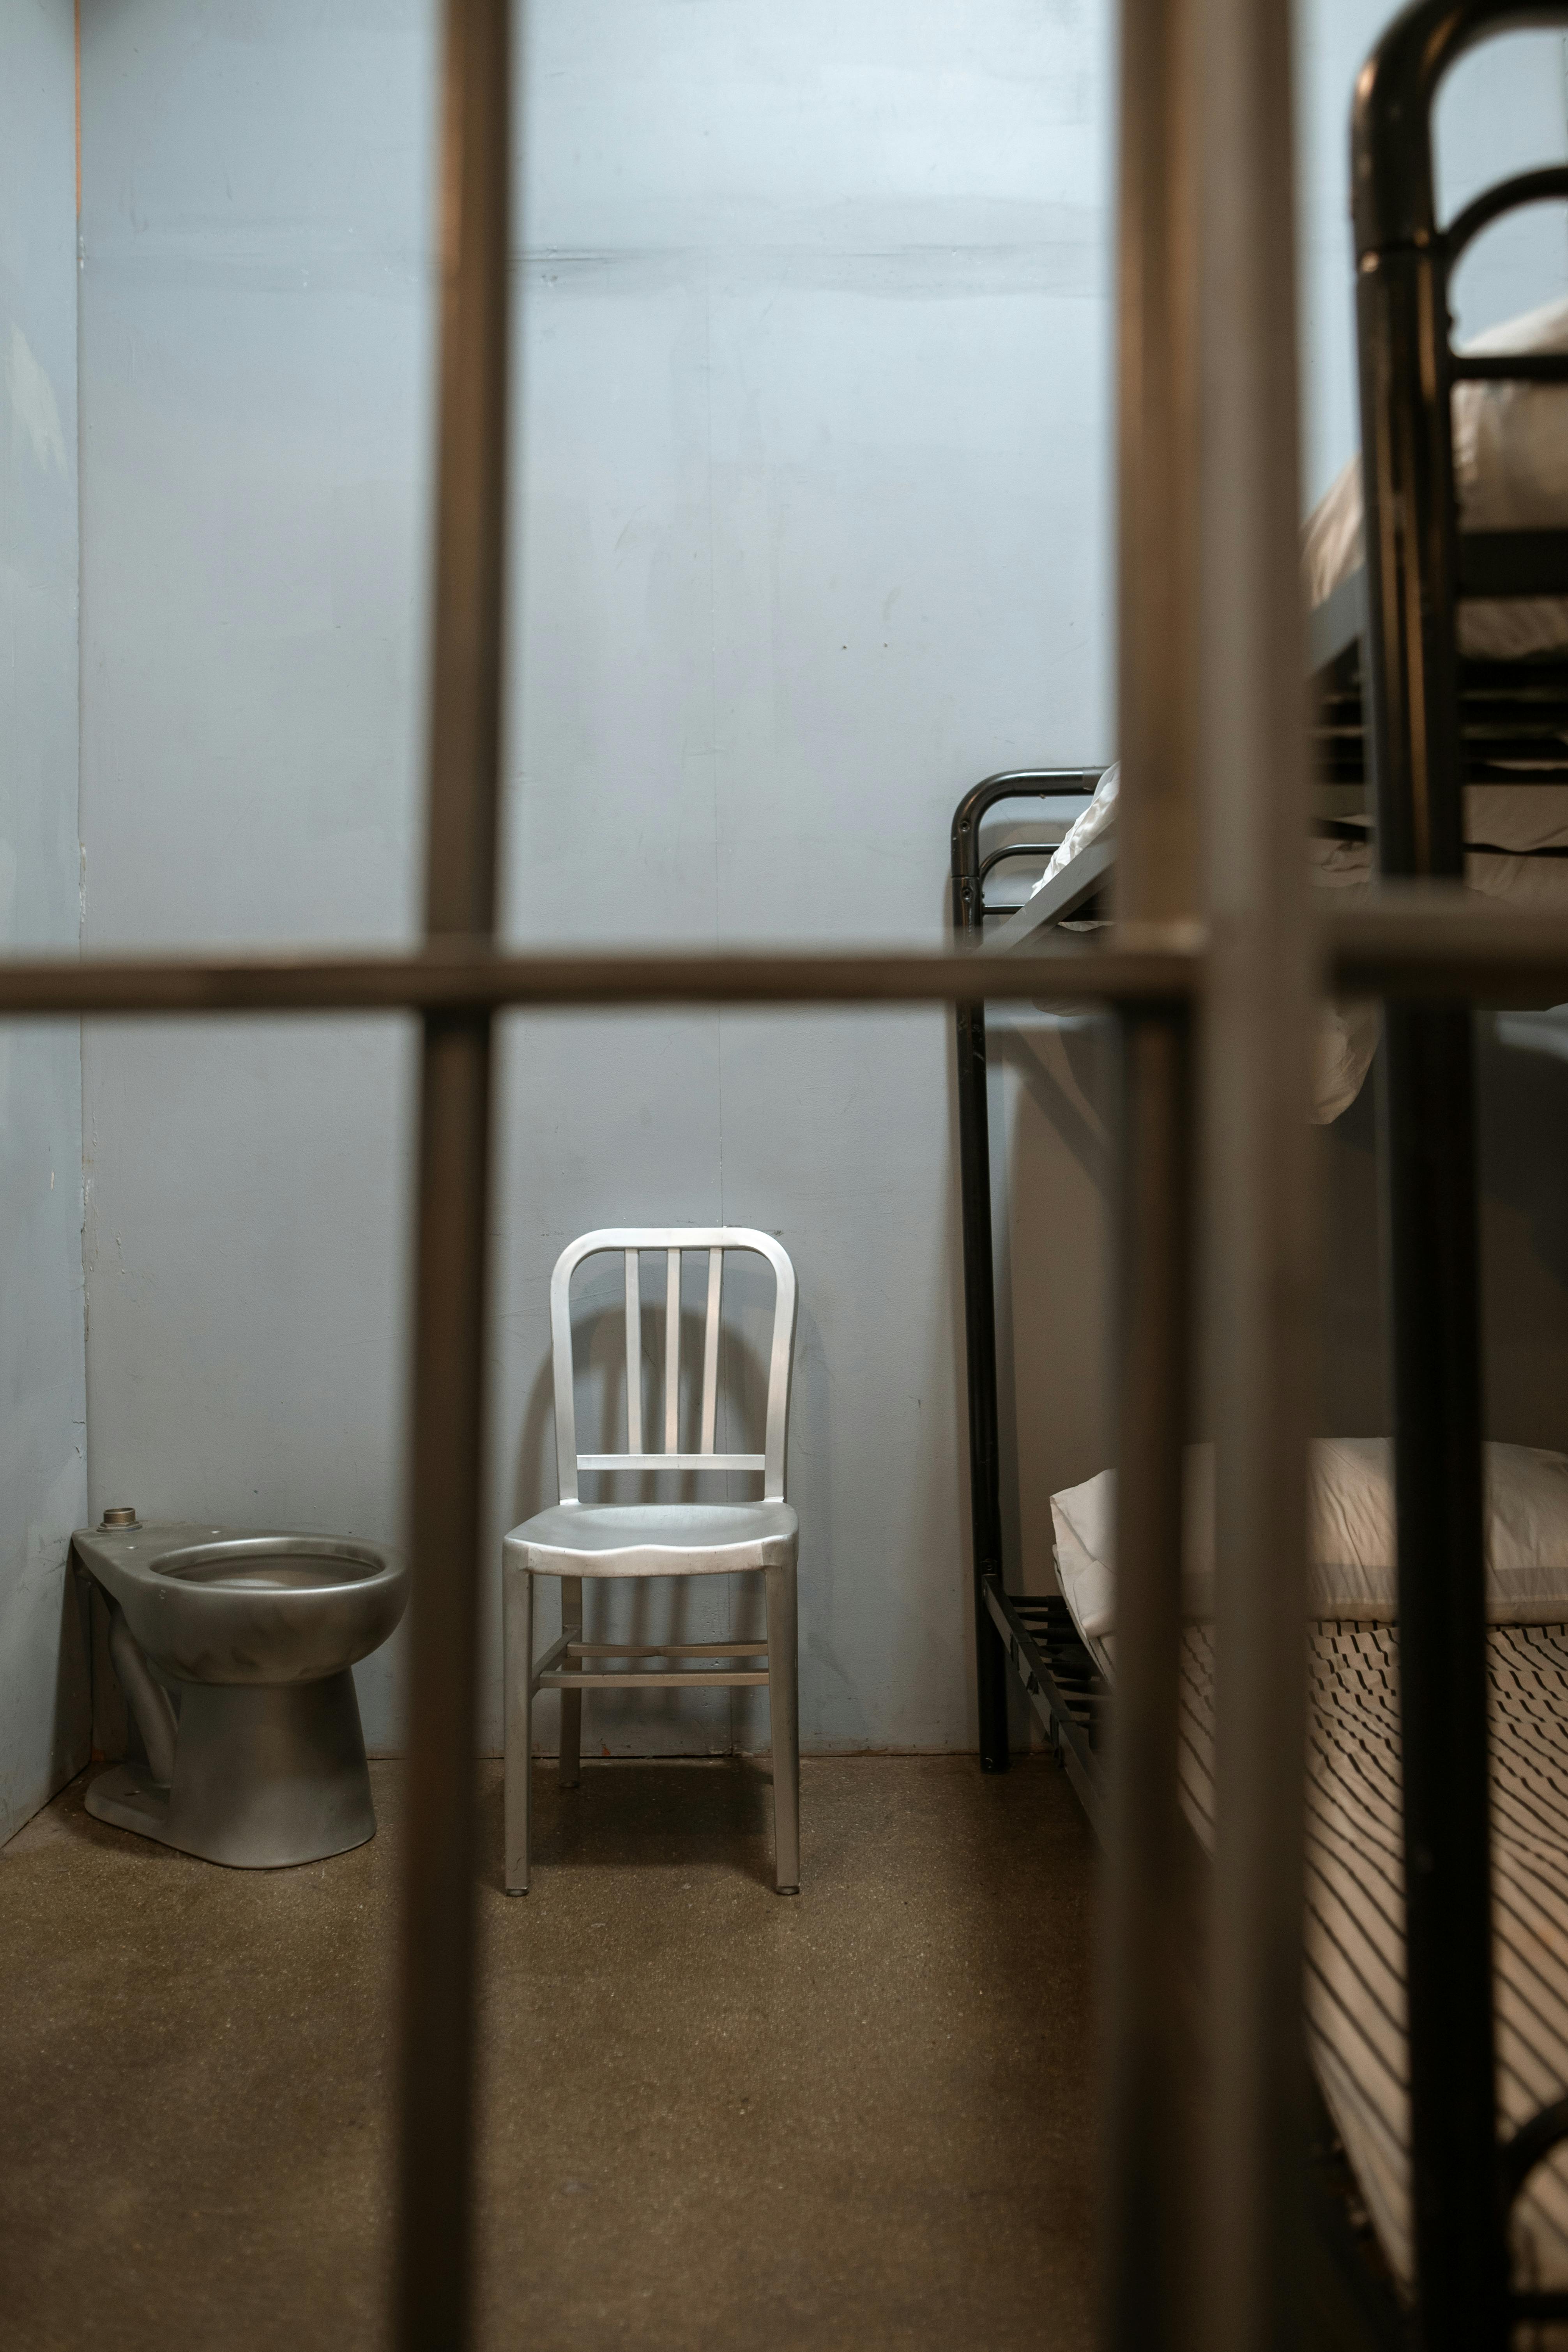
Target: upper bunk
[(1450, 650), (1513, 734)]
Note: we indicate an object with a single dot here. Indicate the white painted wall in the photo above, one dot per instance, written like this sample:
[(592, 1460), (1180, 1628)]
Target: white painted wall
[(812, 532), (255, 361), (1503, 109), (43, 1690)]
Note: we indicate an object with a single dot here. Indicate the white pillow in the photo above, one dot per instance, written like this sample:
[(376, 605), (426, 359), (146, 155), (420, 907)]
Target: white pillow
[(1351, 1570), (1510, 470)]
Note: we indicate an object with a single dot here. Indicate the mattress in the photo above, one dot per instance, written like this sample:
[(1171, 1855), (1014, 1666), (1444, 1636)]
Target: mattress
[(1511, 471), (1355, 1928)]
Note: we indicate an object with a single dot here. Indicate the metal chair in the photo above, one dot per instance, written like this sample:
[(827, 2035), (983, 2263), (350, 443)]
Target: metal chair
[(574, 1539)]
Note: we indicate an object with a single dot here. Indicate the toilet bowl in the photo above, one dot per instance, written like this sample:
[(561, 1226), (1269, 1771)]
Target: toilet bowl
[(257, 1759)]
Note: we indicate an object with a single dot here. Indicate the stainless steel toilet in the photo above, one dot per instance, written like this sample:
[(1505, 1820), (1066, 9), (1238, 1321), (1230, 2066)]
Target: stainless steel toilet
[(262, 1762)]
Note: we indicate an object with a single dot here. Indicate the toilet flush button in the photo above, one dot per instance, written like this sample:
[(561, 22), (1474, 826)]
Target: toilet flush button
[(123, 1515)]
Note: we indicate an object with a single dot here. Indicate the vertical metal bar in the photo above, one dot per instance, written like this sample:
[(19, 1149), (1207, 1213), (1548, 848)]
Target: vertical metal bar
[(1148, 1929), (710, 1352), (1431, 1246), (634, 1352), (1256, 1243), (1149, 2121), (1157, 463), (979, 1303), (448, 1402), (1429, 1197), (672, 1352)]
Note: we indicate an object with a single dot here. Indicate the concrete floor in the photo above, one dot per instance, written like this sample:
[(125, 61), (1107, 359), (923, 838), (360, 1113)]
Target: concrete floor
[(710, 2118)]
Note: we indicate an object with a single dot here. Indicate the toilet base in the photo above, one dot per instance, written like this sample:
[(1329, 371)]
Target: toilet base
[(265, 1776)]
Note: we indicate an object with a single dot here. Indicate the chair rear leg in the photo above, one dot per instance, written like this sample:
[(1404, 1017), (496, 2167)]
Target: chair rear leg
[(784, 1711), (570, 1700), (517, 1603)]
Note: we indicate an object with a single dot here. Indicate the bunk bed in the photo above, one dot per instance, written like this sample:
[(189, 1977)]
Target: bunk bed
[(1438, 662)]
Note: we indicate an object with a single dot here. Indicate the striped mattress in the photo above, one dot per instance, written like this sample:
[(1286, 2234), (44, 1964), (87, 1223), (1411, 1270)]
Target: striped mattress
[(1355, 1905)]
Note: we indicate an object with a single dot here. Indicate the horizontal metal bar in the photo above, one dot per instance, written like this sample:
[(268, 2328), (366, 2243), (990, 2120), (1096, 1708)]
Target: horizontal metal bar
[(716, 1679), (1541, 2304), (1515, 563), (665, 1650), (1150, 961), (1435, 944), (672, 1461), (1393, 945), (1018, 849), (1548, 186), (1510, 367)]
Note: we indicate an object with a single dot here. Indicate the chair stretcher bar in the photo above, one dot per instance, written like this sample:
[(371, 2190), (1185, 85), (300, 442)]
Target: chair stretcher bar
[(711, 1678)]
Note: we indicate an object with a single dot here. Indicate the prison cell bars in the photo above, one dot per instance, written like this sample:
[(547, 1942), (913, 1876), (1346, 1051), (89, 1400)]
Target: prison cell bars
[(1150, 2208), (448, 1390), (1410, 947), (1160, 969), (1256, 1247)]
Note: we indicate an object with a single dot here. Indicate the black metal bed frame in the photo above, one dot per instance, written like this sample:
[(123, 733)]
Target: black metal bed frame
[(1400, 707), (1350, 2303)]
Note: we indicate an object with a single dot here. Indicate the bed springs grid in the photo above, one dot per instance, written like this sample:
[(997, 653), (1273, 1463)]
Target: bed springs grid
[(1400, 1897)]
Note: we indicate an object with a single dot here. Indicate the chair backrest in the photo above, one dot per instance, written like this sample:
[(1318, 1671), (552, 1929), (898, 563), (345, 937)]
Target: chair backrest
[(717, 1241)]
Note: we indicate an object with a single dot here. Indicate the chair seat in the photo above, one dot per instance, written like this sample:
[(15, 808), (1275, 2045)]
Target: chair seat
[(654, 1538)]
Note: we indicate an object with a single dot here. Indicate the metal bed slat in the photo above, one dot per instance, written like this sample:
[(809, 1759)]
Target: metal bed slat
[(1039, 1639)]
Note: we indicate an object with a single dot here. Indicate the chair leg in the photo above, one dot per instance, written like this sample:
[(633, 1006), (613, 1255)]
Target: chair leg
[(517, 1603), (570, 1700), (784, 1711)]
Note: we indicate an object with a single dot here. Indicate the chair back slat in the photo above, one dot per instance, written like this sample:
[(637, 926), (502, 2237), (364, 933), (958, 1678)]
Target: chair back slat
[(634, 1354), (710, 1352), (672, 1352), (717, 1241)]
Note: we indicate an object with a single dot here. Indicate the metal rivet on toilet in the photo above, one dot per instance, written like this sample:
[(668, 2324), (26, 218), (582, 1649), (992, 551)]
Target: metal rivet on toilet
[(123, 1515)]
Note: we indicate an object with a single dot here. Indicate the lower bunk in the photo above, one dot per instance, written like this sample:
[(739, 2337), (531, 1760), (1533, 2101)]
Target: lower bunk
[(1063, 1650)]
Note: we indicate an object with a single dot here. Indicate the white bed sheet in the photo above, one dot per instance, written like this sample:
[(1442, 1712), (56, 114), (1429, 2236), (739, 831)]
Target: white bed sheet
[(1354, 1924)]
